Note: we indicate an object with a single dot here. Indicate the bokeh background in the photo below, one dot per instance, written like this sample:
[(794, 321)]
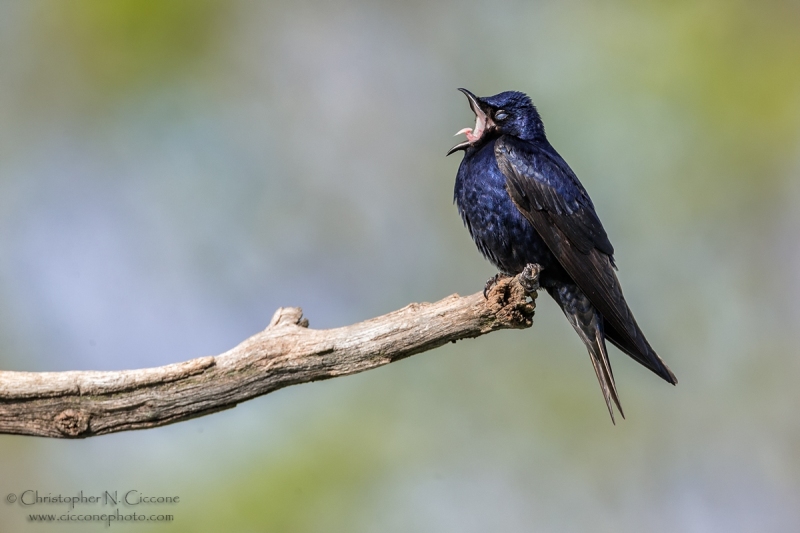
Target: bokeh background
[(173, 171)]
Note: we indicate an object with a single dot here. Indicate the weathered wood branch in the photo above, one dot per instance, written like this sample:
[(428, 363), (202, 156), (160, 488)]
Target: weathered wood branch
[(84, 404)]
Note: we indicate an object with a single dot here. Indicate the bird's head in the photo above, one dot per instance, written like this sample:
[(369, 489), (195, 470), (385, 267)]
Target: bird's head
[(508, 113)]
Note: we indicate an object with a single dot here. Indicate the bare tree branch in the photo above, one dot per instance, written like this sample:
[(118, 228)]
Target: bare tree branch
[(84, 404)]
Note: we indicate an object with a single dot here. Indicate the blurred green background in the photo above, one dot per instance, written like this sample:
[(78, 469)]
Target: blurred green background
[(173, 171)]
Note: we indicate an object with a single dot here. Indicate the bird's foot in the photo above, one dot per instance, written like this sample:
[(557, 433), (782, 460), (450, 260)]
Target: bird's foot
[(491, 282), (529, 277)]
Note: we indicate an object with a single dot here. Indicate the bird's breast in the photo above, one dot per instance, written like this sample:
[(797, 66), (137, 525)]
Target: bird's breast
[(502, 234)]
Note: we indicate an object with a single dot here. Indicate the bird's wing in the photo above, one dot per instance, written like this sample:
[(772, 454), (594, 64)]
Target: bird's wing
[(549, 195)]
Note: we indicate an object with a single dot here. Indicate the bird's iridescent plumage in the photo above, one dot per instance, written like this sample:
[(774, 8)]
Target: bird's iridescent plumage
[(522, 204)]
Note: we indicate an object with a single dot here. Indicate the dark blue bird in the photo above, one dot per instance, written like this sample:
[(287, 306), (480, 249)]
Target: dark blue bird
[(522, 204)]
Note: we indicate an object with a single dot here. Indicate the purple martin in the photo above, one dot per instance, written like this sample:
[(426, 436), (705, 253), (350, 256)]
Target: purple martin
[(522, 205)]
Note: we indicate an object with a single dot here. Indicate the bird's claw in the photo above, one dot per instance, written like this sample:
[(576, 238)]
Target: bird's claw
[(529, 277), (491, 282)]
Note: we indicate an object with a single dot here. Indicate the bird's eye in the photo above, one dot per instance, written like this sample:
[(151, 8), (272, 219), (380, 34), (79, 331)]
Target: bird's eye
[(500, 115)]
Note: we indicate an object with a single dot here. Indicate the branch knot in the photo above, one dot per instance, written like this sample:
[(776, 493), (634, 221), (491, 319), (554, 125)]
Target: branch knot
[(72, 422), (288, 316)]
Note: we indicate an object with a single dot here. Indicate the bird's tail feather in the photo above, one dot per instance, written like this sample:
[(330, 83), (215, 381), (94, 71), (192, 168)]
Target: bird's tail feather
[(602, 367), (588, 323)]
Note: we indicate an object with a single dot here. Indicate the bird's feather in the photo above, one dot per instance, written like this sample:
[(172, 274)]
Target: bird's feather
[(549, 195), (588, 323)]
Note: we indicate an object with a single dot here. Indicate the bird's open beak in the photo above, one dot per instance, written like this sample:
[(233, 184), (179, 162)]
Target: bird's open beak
[(482, 123)]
